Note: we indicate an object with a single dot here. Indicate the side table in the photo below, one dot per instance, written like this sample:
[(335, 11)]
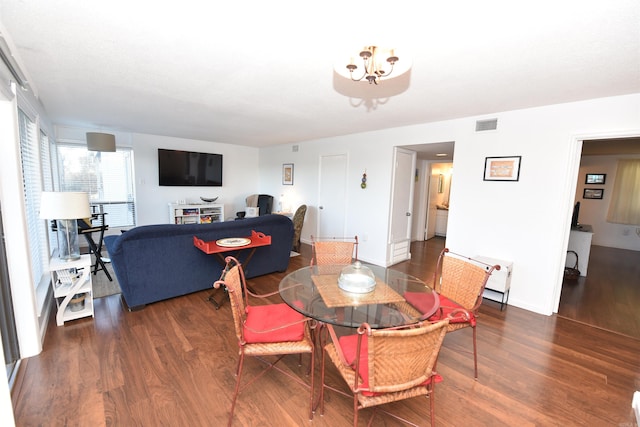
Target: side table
[(71, 280)]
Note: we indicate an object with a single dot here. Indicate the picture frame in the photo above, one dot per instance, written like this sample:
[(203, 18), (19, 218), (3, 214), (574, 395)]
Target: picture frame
[(504, 168), (287, 174), (595, 178), (593, 193)]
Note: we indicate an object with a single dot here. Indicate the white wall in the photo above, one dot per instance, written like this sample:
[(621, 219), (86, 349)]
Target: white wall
[(239, 177), (367, 209), (526, 222), (239, 168), (594, 212)]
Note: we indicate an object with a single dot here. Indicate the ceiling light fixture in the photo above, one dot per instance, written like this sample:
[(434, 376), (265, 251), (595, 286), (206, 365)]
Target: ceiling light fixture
[(97, 141), (376, 63)]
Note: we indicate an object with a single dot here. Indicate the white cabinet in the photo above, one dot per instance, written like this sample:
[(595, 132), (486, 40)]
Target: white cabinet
[(499, 283), (72, 288), (204, 213), (580, 243), (442, 217)]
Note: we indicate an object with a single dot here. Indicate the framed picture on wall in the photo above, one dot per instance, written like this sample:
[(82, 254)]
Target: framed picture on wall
[(592, 193), (502, 168), (595, 178), (287, 174)]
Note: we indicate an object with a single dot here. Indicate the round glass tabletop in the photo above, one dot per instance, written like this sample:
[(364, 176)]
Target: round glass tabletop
[(314, 292)]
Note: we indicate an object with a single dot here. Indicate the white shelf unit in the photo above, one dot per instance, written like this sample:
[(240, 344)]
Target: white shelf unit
[(499, 283), (204, 213), (69, 278)]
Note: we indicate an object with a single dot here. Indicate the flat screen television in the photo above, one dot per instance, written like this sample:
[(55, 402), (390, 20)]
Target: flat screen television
[(576, 213), (187, 168)]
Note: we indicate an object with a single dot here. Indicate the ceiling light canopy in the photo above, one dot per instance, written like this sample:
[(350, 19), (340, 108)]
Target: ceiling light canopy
[(97, 141), (373, 64)]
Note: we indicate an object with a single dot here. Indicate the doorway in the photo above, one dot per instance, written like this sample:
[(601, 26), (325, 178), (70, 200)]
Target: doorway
[(608, 296)]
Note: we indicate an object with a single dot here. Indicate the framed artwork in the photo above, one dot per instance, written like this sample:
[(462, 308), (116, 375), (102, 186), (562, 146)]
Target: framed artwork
[(502, 168), (287, 174), (592, 193), (595, 178)]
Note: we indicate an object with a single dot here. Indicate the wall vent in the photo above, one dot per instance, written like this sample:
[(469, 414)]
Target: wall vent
[(294, 148), (490, 124)]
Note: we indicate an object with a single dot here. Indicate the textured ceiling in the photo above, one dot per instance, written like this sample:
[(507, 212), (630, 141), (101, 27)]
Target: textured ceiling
[(261, 73)]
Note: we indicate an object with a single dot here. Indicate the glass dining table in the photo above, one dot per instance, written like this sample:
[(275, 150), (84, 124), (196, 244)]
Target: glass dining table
[(314, 292)]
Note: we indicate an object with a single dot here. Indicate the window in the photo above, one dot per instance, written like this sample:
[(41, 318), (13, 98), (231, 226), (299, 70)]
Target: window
[(625, 201), (30, 156), (107, 177)]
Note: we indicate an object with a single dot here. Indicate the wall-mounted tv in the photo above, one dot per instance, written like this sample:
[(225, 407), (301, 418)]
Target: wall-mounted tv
[(187, 168)]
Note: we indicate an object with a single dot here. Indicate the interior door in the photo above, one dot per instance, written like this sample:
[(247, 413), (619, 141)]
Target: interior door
[(432, 209), (332, 196), (401, 206)]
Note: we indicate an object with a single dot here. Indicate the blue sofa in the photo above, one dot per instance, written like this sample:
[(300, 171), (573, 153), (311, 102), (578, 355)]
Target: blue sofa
[(157, 262)]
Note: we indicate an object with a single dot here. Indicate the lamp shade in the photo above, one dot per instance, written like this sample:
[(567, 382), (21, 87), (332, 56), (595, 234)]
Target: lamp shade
[(64, 205), (97, 141)]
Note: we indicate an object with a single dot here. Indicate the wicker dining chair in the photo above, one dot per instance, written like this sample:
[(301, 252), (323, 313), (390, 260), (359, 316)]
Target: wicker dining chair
[(386, 365), (459, 282), (298, 221), (264, 330), (334, 250)]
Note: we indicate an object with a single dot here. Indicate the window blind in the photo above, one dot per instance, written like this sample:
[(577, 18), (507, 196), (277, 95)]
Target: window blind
[(106, 176), (32, 181)]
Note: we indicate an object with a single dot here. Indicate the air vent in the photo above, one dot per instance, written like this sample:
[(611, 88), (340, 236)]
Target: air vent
[(482, 125), (294, 148)]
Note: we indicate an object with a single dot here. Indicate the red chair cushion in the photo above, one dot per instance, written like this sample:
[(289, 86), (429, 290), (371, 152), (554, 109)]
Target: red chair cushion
[(447, 307), (422, 301), (273, 316), (349, 346)]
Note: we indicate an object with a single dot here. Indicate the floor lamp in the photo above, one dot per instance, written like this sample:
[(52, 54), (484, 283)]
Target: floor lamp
[(66, 208)]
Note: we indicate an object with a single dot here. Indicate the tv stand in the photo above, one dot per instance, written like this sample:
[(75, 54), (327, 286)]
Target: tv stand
[(197, 213), (580, 241)]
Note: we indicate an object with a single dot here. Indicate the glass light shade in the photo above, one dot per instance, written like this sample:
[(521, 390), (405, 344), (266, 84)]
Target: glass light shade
[(97, 141), (65, 208), (357, 278)]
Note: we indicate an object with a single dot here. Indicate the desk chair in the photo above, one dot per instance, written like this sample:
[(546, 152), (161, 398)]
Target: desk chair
[(298, 221), (87, 228)]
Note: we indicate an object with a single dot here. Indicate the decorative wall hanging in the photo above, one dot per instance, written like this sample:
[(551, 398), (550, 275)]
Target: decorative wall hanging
[(287, 174), (502, 168), (363, 185), (595, 178), (592, 193)]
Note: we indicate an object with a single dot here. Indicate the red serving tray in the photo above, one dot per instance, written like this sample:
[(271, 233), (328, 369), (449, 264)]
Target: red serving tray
[(257, 239)]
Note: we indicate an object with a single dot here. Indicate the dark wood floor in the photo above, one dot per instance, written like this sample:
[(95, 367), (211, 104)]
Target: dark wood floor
[(172, 364), (609, 296)]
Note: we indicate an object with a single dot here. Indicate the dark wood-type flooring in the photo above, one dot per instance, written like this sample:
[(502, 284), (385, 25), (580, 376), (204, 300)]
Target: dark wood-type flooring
[(609, 296), (172, 364)]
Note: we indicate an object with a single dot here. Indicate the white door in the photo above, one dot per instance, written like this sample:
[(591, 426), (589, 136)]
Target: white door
[(401, 206), (332, 196), (432, 206)]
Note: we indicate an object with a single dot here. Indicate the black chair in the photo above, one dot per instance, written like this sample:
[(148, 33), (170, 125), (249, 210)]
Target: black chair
[(262, 201), (265, 204)]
